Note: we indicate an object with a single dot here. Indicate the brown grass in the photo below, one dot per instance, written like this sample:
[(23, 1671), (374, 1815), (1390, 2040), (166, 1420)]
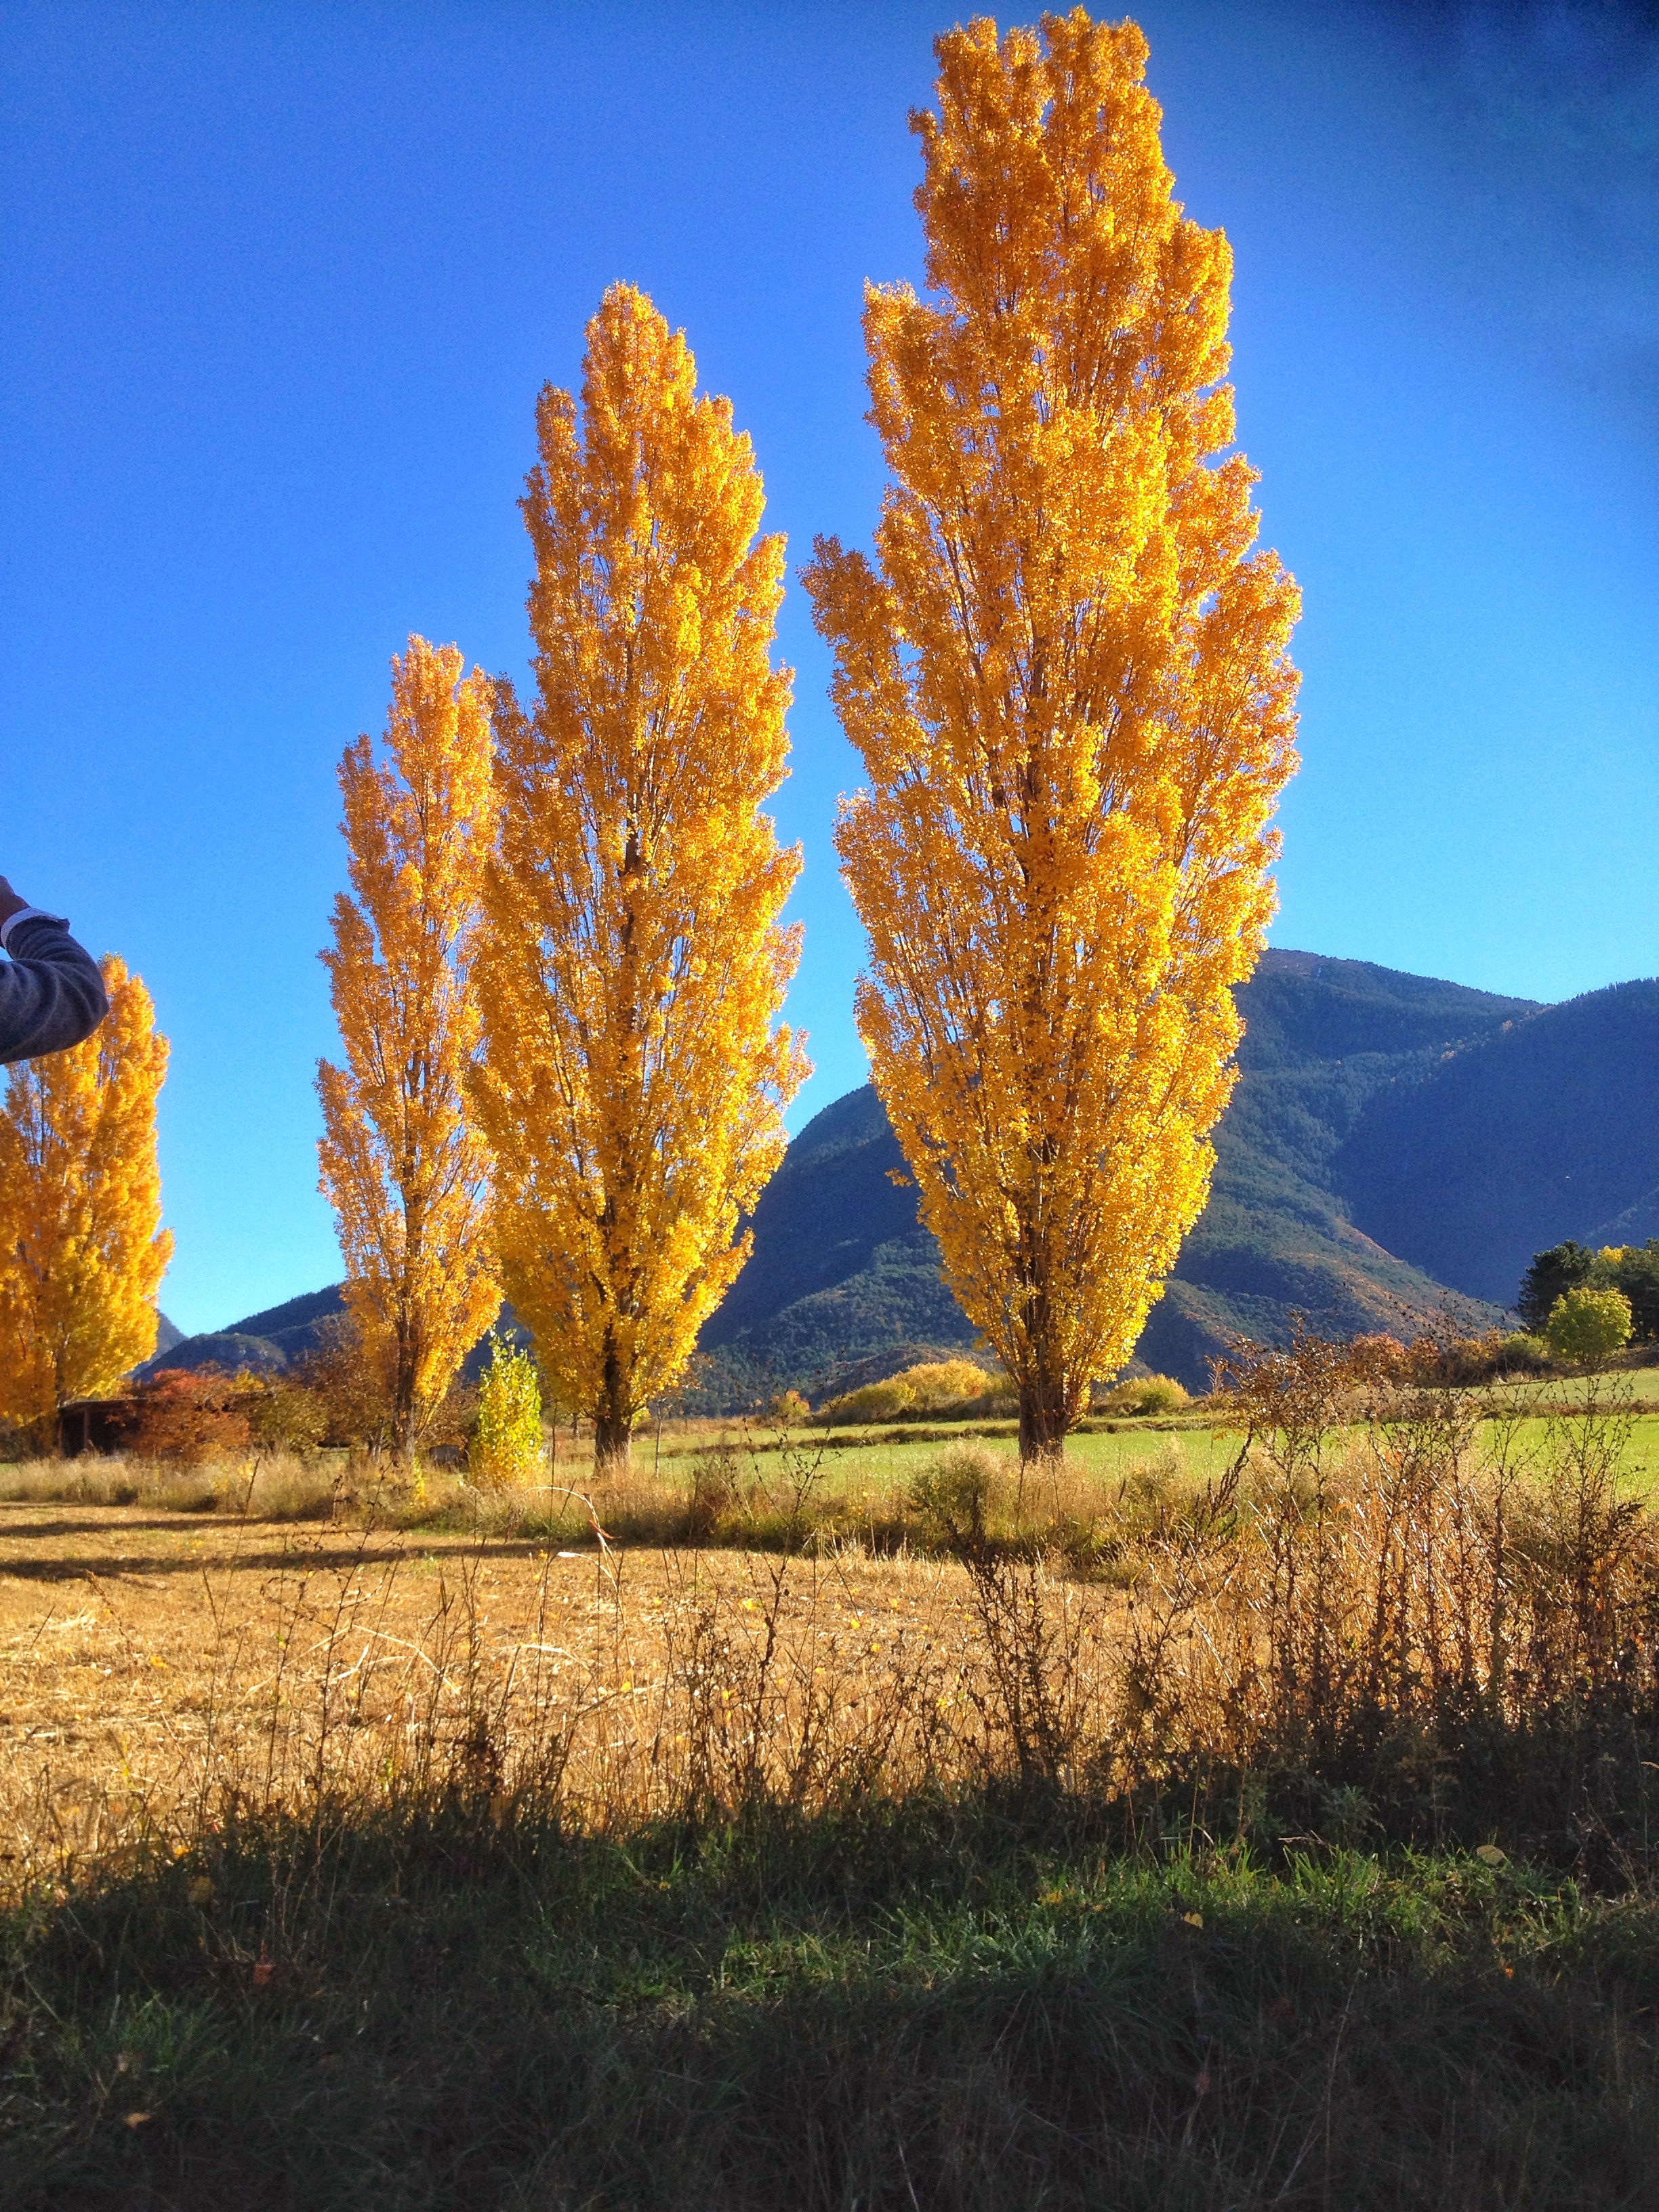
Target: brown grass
[(1345, 1602), (153, 1668), (355, 1864)]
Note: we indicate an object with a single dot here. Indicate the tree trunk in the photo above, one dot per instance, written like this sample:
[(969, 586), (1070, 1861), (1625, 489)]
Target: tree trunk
[(1046, 1406), (613, 1424), (613, 1443), (401, 1437), (1043, 1419)]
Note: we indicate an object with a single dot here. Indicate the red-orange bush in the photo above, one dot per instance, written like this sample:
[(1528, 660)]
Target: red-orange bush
[(188, 1417)]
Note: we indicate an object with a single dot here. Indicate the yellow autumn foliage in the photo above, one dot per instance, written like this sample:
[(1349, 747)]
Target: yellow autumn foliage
[(81, 1249), (634, 1081), (1069, 677), (406, 1173)]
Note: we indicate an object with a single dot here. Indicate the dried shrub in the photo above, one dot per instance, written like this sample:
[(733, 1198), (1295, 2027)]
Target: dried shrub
[(345, 1386), (935, 1387), (283, 1414), (189, 1417), (871, 1401), (1145, 1395)]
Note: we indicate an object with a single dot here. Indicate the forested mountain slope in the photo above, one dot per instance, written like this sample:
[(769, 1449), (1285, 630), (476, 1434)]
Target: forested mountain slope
[(1397, 1148), (263, 1342), (843, 1279), (275, 1337), (1546, 1129)]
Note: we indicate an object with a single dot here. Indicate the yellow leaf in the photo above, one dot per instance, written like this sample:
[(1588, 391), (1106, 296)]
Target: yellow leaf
[(80, 1210)]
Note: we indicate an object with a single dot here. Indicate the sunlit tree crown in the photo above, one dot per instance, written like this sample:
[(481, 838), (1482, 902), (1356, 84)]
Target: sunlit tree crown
[(406, 1173), (634, 1077), (1068, 674), (81, 1249)]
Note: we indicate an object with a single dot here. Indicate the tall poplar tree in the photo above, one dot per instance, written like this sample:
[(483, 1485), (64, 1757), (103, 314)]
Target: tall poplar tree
[(406, 1172), (81, 1249), (633, 1078), (1069, 677)]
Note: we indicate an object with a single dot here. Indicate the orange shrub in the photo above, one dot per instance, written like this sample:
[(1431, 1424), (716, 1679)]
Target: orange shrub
[(188, 1417)]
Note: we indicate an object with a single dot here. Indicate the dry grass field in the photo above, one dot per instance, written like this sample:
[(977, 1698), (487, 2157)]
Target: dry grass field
[(1272, 1830), (955, 1622), (155, 1662)]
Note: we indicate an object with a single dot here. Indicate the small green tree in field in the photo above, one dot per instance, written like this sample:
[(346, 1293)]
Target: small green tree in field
[(1587, 1326), (507, 1445)]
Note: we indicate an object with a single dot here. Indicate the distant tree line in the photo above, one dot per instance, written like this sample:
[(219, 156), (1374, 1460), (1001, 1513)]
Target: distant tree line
[(1631, 1269)]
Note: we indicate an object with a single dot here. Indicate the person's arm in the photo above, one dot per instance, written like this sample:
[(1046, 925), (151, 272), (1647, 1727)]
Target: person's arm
[(51, 994)]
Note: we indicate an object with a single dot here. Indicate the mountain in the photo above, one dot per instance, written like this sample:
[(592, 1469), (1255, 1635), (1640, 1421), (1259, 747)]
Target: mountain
[(1322, 1038), (843, 1283), (1545, 1129), (277, 1337), (1395, 1151), (264, 1342), (843, 1279)]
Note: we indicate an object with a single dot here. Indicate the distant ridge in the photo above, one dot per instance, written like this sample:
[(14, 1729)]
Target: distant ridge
[(277, 1337), (1397, 1148), (844, 1281), (1545, 1129), (262, 1343)]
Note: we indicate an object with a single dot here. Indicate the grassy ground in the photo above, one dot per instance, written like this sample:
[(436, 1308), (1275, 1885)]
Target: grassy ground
[(1298, 1847), (148, 1656), (760, 1485), (885, 1463), (985, 2002)]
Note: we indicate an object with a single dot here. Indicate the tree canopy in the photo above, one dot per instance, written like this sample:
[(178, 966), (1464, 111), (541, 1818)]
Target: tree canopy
[(1069, 674)]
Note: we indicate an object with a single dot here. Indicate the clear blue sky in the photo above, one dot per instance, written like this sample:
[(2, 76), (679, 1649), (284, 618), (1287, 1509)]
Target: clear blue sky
[(279, 285)]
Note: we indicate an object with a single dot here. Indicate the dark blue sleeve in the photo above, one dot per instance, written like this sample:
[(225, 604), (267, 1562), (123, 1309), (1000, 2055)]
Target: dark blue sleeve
[(51, 994)]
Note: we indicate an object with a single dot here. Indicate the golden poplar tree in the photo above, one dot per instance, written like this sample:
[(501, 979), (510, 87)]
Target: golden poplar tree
[(1069, 677), (406, 1172), (633, 1079), (81, 1249)]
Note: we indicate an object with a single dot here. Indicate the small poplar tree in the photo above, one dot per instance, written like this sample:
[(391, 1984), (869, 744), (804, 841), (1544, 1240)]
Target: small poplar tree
[(1069, 678), (633, 1078), (507, 1444), (404, 1171), (81, 1249)]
